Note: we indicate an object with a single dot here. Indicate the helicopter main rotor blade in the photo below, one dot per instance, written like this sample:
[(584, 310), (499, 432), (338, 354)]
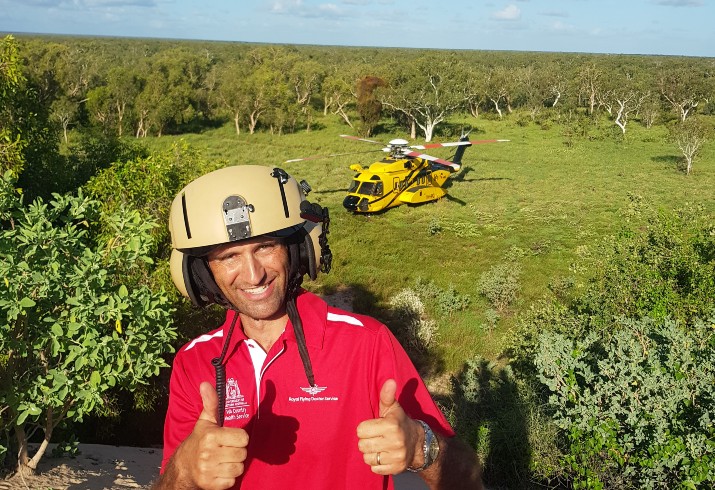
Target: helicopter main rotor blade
[(355, 138), (455, 143), (454, 166), (315, 157)]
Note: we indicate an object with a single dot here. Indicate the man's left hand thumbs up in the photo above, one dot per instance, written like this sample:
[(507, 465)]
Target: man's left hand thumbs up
[(388, 443)]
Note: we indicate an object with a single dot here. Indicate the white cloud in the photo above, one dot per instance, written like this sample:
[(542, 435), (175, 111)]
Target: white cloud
[(510, 12)]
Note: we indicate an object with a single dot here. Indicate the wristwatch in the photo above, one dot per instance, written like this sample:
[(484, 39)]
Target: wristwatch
[(430, 449)]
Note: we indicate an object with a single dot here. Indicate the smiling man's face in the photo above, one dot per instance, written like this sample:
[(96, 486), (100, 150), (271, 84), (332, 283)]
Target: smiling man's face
[(253, 276)]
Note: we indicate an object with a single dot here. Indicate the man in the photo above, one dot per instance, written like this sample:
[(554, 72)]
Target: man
[(306, 395)]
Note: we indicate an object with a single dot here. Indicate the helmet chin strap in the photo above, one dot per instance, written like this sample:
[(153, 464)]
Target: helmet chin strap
[(296, 279)]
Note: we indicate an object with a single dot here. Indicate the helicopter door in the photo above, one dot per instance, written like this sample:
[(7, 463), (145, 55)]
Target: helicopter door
[(395, 183)]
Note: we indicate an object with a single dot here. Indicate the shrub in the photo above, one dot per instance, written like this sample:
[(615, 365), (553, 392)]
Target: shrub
[(73, 328), (446, 301), (408, 309), (500, 285), (637, 406)]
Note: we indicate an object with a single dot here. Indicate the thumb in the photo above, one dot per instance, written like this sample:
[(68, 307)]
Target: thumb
[(388, 400), (209, 397)]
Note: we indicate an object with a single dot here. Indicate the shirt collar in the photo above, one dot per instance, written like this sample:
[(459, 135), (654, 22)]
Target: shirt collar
[(313, 314)]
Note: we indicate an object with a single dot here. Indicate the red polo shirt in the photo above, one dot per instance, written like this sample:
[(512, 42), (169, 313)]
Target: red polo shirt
[(301, 437)]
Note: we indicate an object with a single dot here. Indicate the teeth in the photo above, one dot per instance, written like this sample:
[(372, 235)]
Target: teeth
[(257, 290)]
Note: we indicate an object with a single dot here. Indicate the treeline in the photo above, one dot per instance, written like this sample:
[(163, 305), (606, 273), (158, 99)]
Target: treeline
[(154, 87)]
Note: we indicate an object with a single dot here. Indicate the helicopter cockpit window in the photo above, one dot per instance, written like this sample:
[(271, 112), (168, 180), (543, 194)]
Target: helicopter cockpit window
[(354, 185), (370, 188)]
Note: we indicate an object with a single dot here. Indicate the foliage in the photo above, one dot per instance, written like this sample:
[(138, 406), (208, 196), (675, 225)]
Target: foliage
[(148, 184), (408, 309), (626, 360), (500, 285), (665, 268), (636, 405), (11, 82), (446, 301), (369, 106), (73, 328), (690, 136)]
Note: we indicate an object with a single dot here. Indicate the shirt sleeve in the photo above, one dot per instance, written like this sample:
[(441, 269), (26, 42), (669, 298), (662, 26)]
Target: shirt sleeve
[(391, 361), (183, 411)]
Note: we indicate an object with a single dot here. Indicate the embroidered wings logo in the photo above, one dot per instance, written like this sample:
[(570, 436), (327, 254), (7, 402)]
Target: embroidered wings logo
[(314, 390)]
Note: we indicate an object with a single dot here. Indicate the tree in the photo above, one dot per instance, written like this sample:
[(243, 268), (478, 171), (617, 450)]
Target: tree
[(72, 327), (305, 78), (590, 80), (64, 111), (28, 143), (681, 89), (339, 93), (626, 97), (428, 93), (690, 136), (495, 87), (11, 81), (368, 105)]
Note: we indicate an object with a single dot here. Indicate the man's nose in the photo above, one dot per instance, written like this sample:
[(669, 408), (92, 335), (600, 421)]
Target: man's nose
[(254, 270)]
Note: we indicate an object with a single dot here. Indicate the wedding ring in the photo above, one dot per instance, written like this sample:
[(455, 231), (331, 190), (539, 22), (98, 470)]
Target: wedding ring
[(378, 459)]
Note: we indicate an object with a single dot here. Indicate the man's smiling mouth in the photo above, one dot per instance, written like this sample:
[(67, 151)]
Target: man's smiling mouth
[(256, 290)]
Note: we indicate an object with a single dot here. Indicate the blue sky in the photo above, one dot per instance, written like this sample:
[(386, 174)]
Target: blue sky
[(669, 27)]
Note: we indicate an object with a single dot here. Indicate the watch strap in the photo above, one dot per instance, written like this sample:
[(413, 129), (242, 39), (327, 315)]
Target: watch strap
[(428, 441)]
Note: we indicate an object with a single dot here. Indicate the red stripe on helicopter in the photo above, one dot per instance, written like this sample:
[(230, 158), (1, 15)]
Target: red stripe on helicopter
[(439, 161)]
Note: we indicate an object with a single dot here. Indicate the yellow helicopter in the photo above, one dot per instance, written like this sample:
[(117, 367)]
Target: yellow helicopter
[(403, 176)]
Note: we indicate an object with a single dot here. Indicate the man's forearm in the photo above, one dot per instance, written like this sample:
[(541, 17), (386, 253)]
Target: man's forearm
[(171, 479), (457, 466)]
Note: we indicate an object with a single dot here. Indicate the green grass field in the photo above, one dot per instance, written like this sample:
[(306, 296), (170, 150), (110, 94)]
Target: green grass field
[(535, 200)]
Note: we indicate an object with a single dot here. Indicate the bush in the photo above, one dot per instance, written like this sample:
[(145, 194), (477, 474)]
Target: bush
[(636, 406), (663, 269), (500, 285), (625, 360), (446, 301), (407, 307)]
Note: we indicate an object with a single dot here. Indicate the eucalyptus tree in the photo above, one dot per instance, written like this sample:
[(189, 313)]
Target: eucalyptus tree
[(428, 91), (112, 104), (339, 90), (248, 90), (495, 88), (475, 87), (690, 136), (64, 111), (557, 81), (169, 94), (590, 79), (305, 77), (682, 87)]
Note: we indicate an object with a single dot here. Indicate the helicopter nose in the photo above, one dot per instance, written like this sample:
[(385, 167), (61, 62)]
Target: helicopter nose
[(351, 202)]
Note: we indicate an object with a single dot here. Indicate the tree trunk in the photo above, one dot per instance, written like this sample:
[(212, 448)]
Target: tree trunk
[(235, 122), (496, 106)]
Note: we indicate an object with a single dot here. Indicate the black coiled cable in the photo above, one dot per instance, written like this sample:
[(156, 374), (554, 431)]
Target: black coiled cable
[(221, 373)]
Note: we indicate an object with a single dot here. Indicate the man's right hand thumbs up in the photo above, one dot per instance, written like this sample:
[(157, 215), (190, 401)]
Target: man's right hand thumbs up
[(212, 457), (209, 397)]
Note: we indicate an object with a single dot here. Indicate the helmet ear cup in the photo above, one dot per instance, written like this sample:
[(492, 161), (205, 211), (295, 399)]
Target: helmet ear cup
[(307, 257), (194, 279)]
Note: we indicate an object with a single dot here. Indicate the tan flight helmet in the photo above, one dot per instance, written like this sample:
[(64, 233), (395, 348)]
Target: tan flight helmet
[(237, 203)]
